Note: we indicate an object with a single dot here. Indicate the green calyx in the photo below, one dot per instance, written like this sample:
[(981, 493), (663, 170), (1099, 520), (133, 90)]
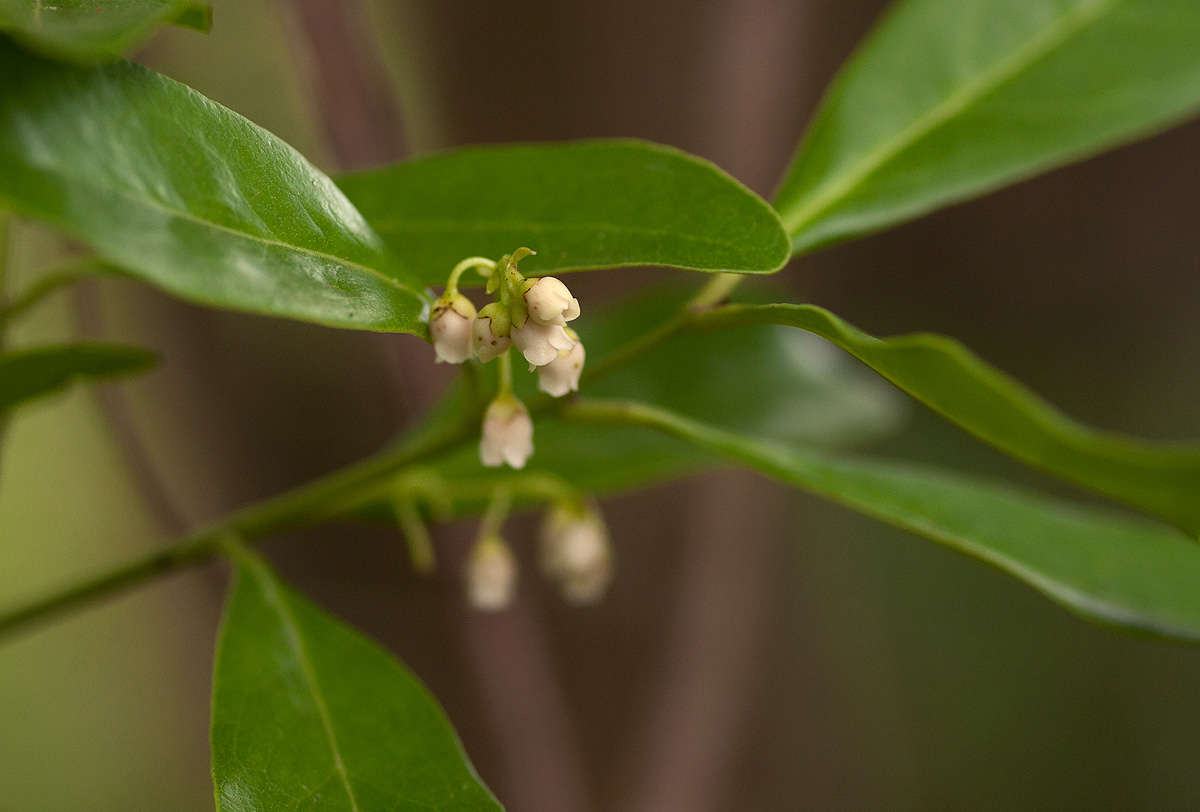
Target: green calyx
[(453, 300), (498, 313), (507, 281)]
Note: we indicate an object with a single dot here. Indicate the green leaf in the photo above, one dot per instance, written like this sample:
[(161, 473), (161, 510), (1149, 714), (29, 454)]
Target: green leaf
[(95, 30), (189, 196), (583, 204), (1161, 479), (1099, 564), (948, 99), (29, 374), (309, 714)]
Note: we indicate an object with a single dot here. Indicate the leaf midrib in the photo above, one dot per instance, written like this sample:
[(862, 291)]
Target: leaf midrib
[(296, 642), (412, 224), (1005, 70)]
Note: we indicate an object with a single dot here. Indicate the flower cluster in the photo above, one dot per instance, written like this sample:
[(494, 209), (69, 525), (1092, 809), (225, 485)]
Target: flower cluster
[(530, 314), (575, 553)]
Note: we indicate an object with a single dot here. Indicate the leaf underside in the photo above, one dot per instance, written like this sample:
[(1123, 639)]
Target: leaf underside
[(1107, 568), (1161, 479)]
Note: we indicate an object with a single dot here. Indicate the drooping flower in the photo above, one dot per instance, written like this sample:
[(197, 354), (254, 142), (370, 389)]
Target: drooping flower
[(576, 553), (450, 328), (491, 574), (491, 332), (561, 375), (541, 343), (507, 433), (548, 301)]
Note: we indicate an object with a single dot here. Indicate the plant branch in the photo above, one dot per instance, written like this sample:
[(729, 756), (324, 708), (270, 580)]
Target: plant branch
[(327, 496), (307, 504)]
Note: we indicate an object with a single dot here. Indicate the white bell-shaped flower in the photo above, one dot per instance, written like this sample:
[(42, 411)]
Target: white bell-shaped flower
[(491, 332), (561, 375), (491, 574), (507, 433), (576, 552), (450, 328), (541, 343), (548, 301)]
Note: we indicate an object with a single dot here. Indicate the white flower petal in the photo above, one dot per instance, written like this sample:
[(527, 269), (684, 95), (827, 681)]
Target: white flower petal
[(549, 301), (507, 434), (486, 343), (540, 343), (491, 575), (561, 375), (451, 334)]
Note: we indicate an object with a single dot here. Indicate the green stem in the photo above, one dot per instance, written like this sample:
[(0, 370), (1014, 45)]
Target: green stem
[(496, 513), (463, 267), (420, 543), (5, 228), (506, 379), (49, 283)]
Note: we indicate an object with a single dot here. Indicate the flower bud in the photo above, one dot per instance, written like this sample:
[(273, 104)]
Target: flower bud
[(561, 375), (507, 433), (575, 552), (550, 302), (450, 328), (491, 332), (491, 574), (540, 343)]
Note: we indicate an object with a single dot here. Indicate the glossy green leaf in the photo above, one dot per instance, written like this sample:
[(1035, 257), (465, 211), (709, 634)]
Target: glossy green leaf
[(309, 714), (187, 195), (1162, 479), (1104, 566), (95, 30), (583, 204), (29, 374), (952, 98)]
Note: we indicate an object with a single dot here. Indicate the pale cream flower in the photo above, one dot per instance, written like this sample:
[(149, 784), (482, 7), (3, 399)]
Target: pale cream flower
[(507, 433), (491, 574), (548, 301), (491, 333), (540, 343), (450, 328), (576, 552), (561, 375)]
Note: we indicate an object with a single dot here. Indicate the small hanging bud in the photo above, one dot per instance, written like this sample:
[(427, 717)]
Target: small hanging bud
[(548, 301), (491, 574), (575, 552), (540, 343), (491, 332), (507, 433), (561, 375), (450, 327)]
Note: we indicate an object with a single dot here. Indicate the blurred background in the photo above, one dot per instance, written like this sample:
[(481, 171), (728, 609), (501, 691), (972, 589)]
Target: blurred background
[(760, 650)]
